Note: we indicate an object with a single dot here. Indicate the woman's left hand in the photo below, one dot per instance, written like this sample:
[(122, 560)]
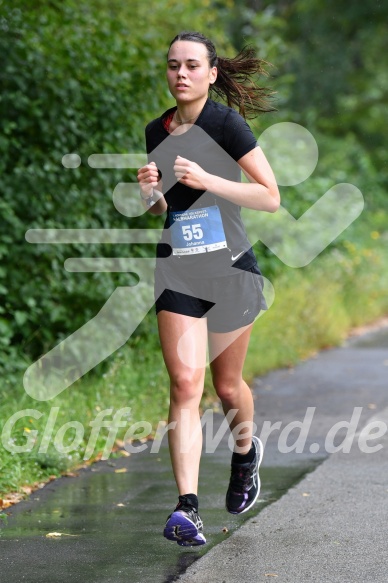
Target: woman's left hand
[(190, 174)]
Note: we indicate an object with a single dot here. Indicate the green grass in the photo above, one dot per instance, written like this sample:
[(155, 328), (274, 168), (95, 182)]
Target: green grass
[(314, 308), (134, 378)]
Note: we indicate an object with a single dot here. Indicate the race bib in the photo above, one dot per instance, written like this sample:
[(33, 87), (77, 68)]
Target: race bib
[(197, 231)]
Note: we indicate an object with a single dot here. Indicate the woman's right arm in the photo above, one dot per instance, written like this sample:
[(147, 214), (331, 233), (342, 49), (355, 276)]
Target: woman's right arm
[(151, 186)]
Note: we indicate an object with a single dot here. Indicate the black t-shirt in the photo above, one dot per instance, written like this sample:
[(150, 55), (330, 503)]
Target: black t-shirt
[(219, 137)]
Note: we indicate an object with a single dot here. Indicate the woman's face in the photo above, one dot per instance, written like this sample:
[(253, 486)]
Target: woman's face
[(188, 72)]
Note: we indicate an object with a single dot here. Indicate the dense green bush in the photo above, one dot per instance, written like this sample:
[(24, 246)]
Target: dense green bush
[(76, 78)]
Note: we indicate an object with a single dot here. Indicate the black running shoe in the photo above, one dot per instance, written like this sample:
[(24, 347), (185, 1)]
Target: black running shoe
[(184, 525), (244, 485)]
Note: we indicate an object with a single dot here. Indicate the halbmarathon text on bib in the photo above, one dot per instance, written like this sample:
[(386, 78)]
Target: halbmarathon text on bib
[(197, 231)]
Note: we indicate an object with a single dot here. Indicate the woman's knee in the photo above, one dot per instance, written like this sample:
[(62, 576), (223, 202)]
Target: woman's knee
[(186, 386), (226, 387)]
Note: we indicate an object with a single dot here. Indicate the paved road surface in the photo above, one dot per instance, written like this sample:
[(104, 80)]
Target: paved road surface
[(333, 525), (321, 517)]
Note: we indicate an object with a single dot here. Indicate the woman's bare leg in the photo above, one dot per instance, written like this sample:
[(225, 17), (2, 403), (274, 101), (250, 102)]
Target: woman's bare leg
[(186, 387), (234, 393)]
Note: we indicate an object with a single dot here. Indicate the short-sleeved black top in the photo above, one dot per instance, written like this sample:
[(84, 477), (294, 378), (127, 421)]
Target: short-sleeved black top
[(217, 140)]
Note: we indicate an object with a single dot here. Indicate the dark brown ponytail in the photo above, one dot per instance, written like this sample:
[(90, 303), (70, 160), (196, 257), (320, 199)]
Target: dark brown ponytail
[(235, 83)]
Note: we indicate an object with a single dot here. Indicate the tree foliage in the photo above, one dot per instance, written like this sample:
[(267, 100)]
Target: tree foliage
[(330, 64), (84, 78)]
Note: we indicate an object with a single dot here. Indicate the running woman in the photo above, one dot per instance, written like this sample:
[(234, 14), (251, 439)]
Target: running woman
[(208, 287)]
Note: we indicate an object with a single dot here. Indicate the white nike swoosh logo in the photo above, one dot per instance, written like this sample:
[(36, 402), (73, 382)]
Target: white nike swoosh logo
[(234, 258)]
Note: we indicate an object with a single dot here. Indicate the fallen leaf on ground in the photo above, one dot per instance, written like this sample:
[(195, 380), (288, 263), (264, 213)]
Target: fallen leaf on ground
[(58, 534), (121, 471), (26, 489), (10, 499)]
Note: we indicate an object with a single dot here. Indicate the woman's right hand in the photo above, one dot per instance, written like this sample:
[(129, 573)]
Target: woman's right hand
[(148, 178)]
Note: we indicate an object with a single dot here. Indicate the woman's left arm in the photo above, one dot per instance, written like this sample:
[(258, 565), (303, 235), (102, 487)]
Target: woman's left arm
[(261, 193)]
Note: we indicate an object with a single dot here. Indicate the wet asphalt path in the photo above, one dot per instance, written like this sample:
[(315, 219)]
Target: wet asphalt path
[(111, 523)]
